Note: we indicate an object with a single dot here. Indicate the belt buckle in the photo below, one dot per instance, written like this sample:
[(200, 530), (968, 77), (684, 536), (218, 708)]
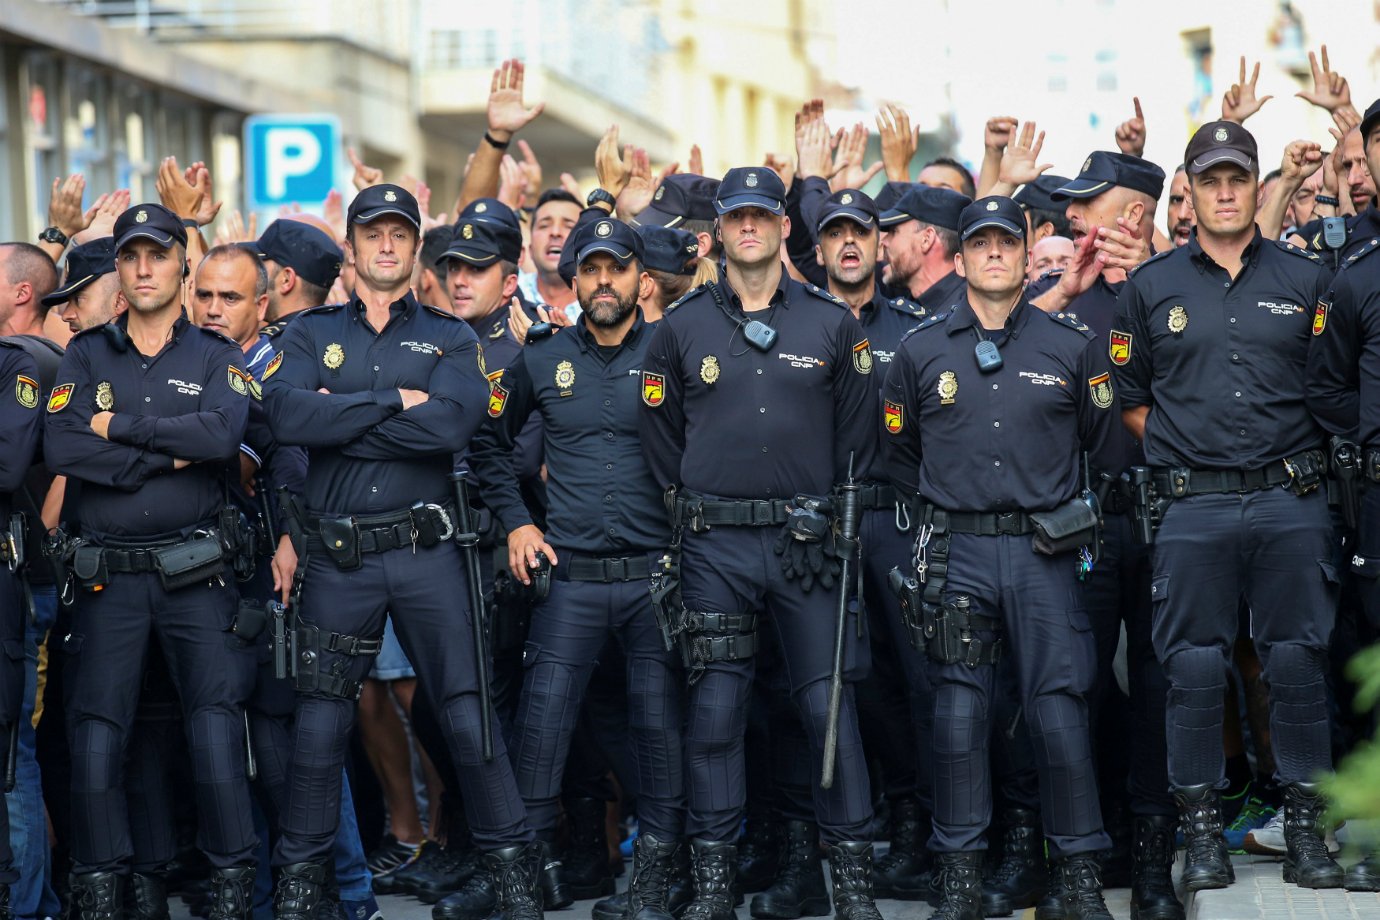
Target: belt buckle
[(616, 569), (1006, 523), (761, 513)]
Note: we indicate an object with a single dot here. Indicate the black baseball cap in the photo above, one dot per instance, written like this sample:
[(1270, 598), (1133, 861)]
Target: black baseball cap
[(608, 235), (152, 222), (1037, 194), (303, 248), (482, 242), (992, 211), (938, 206), (1103, 170), (667, 249), (378, 200), (680, 197), (751, 187), (1221, 142), (1369, 122), (850, 203), (488, 210), (85, 263)]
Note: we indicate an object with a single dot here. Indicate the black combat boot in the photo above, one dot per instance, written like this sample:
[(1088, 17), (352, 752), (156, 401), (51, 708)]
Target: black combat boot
[(98, 896), (1152, 880), (679, 893), (6, 913), (1206, 862), (232, 894), (798, 890), (1308, 864), (551, 878), (585, 869), (1021, 878), (649, 890), (759, 855), (850, 868), (1081, 880), (960, 878), (712, 864), (146, 897), (1051, 906), (474, 901), (514, 871), (902, 872), (1365, 875), (299, 891)]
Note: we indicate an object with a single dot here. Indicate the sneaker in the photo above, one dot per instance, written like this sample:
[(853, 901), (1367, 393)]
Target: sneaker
[(368, 909), (390, 856), (1267, 840), (1254, 814)]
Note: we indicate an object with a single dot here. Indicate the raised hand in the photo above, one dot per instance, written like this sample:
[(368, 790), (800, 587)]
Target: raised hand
[(899, 141), (637, 193), (531, 170), (512, 186), (1019, 164), (1301, 160), (64, 207), (106, 210), (199, 177), (814, 148), (848, 159), (1130, 134), (998, 133), (782, 166), (1330, 90), (1240, 102), (507, 112), (178, 195), (696, 161), (614, 170), (365, 175)]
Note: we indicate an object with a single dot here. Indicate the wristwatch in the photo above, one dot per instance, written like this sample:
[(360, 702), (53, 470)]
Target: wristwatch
[(53, 235), (599, 196)]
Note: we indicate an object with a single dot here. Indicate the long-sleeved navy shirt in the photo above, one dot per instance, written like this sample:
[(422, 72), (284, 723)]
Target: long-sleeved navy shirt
[(21, 422), (602, 497), (367, 455), (1344, 355), (190, 401), (735, 422)]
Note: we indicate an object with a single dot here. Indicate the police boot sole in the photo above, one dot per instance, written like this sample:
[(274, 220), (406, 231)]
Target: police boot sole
[(1365, 883), (1322, 877), (807, 907)]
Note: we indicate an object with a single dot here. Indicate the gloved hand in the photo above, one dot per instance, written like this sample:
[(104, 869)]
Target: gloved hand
[(808, 562)]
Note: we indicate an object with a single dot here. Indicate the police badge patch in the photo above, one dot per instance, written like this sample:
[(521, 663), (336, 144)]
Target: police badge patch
[(1178, 319), (238, 380), (1101, 389), (60, 397), (105, 397), (26, 391), (893, 416), (948, 388), (653, 389), (565, 376), (1119, 347), (273, 366), (709, 370), (498, 398), (862, 357), (1320, 319), (334, 356)]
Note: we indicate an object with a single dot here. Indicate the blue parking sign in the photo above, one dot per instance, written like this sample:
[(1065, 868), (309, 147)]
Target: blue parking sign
[(289, 158)]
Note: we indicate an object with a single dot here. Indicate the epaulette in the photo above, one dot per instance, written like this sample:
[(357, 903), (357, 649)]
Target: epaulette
[(934, 319), (907, 307), (1361, 253), (1071, 320), (273, 329), (684, 297), (822, 294), (500, 327), (321, 310), (1155, 258), (437, 311), (1302, 253), (219, 335)]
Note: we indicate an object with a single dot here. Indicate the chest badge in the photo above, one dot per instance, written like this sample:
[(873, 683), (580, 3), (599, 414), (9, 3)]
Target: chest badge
[(1320, 319), (862, 357), (26, 391), (709, 370), (565, 375), (1178, 319), (948, 388), (653, 389), (1119, 347), (105, 396), (1101, 389), (334, 356)]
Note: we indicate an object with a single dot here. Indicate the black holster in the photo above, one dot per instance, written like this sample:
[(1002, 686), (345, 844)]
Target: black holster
[(705, 637), (250, 619), (1345, 459), (340, 540), (952, 630), (666, 602), (88, 566)]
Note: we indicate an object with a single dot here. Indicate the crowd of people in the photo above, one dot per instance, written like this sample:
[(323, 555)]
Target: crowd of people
[(983, 541)]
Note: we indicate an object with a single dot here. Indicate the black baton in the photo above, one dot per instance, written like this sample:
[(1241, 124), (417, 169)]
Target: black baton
[(468, 540), (849, 502)]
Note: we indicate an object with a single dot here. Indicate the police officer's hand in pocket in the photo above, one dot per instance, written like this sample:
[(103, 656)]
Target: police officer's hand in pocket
[(523, 545)]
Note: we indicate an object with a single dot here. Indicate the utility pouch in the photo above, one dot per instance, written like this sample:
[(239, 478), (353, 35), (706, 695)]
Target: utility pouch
[(340, 539), (1071, 525), (189, 563), (89, 568), (1305, 471), (250, 620)]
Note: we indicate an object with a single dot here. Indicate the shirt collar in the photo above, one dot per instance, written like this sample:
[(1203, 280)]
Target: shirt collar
[(586, 339), (778, 296), (962, 317), (404, 306), (1202, 260)]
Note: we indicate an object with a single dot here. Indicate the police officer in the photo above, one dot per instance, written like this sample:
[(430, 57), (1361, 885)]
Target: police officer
[(847, 234), (1039, 397), (383, 392), (1215, 337), (147, 412), (1359, 163), (302, 263), (20, 428), (919, 242), (603, 543), (90, 292), (1342, 378), (756, 391), (684, 201)]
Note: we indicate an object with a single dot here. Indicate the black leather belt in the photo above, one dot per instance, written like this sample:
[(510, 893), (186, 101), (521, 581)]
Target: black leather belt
[(875, 495), (134, 558), (378, 533), (604, 569), (991, 524), (740, 513), (1181, 482)]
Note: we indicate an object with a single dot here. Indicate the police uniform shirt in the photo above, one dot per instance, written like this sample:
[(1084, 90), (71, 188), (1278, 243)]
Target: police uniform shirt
[(1219, 361), (367, 455), (21, 422), (1344, 355), (602, 497), (190, 401), (1009, 440), (725, 419), (886, 320), (500, 351), (944, 294)]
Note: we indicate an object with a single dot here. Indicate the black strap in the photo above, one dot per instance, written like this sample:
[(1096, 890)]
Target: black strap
[(991, 524), (603, 569), (741, 513), (378, 533), (352, 645), (875, 495), (1181, 482), (723, 623), (134, 559)]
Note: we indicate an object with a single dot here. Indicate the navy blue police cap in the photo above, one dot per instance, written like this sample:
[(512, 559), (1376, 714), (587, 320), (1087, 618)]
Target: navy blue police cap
[(851, 203), (85, 263), (992, 211), (1104, 170), (680, 197), (751, 187), (377, 200), (938, 206), (305, 249), (483, 242), (151, 222), (667, 249)]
